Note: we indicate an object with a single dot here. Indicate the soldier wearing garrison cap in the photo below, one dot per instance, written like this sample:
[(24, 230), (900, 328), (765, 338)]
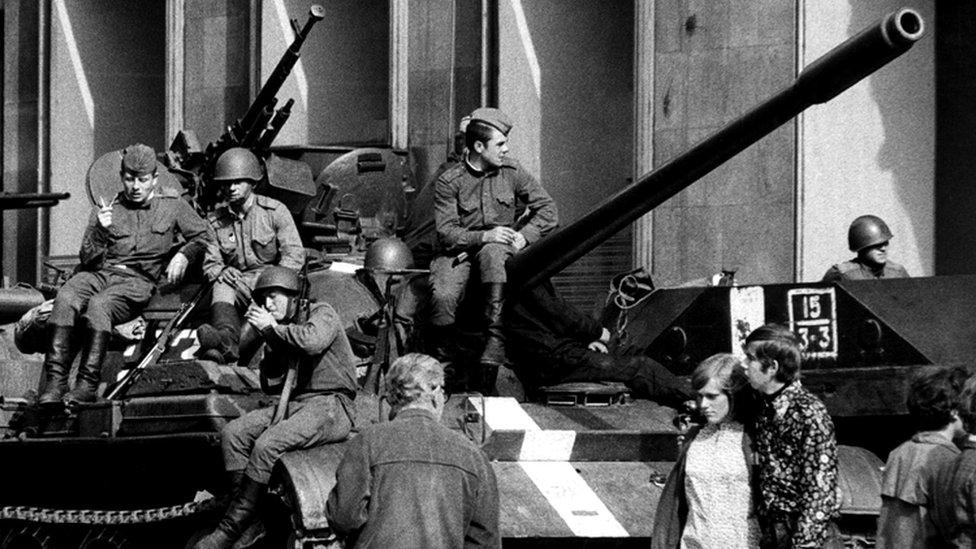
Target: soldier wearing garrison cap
[(475, 205), (123, 254), (868, 237)]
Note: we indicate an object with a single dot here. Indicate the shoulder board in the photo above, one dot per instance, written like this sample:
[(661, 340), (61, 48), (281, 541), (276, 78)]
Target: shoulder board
[(166, 192), (453, 172), (266, 201), (847, 266)]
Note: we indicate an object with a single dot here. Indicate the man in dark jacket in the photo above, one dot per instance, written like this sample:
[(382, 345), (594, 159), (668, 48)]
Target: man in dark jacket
[(321, 404), (553, 342), (412, 482)]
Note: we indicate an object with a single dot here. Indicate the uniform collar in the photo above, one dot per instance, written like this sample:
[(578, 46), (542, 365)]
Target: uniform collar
[(248, 204), (137, 206), (930, 437)]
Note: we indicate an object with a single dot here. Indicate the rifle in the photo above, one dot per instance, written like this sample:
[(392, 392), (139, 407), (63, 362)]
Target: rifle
[(256, 130), (152, 357), (301, 317), (388, 342)]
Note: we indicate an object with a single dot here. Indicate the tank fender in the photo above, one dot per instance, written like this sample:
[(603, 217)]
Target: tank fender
[(859, 478), (307, 477)]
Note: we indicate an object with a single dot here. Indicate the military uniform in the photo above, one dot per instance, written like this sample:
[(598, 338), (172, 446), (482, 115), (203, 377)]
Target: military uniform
[(321, 407), (468, 202), (120, 264), (263, 234), (856, 269)]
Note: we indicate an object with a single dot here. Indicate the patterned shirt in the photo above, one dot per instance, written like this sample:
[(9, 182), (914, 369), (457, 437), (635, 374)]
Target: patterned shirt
[(796, 453)]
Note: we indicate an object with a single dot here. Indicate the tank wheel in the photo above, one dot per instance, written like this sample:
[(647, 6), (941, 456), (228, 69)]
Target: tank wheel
[(29, 537), (104, 539)]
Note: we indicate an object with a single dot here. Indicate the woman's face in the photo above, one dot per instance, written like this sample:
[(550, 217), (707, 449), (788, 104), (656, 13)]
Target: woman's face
[(713, 402)]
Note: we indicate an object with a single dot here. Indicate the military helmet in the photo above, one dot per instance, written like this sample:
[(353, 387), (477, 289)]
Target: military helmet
[(238, 163), (867, 230), (277, 277), (388, 254)]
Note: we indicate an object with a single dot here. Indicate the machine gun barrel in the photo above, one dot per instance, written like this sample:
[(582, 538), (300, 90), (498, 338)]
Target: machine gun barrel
[(280, 117), (821, 81), (19, 201), (271, 87)]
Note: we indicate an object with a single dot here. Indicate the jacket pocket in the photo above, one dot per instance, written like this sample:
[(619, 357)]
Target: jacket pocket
[(265, 245)]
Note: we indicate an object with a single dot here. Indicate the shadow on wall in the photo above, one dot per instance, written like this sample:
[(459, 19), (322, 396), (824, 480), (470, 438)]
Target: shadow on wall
[(905, 99)]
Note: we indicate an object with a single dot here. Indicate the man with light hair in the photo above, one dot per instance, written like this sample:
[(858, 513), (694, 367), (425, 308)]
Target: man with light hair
[(412, 482)]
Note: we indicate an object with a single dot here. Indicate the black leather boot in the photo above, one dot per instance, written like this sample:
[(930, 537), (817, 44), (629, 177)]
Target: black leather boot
[(494, 352), (238, 517), (250, 343), (90, 368), (57, 365), (442, 343), (218, 341)]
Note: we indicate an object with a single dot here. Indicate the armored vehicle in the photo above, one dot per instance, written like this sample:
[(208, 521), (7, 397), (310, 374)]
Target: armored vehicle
[(141, 468)]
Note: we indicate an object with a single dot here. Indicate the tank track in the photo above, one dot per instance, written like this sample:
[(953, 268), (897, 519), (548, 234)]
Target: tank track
[(45, 515)]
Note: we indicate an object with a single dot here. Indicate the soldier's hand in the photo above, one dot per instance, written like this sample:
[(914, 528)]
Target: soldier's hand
[(259, 317), (598, 346), (230, 276), (176, 268), (519, 242), (105, 213), (500, 235)]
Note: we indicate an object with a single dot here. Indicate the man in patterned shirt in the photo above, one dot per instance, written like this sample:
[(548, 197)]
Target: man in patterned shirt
[(795, 449)]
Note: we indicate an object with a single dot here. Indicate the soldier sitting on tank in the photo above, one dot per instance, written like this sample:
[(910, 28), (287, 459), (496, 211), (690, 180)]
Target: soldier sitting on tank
[(868, 236), (251, 232), (475, 212), (319, 412), (123, 251), (552, 342)]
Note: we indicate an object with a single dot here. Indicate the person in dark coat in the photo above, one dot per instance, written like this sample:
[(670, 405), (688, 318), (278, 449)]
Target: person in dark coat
[(412, 482), (552, 342)]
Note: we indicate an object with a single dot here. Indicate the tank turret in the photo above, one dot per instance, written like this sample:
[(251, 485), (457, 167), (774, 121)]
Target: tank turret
[(819, 82)]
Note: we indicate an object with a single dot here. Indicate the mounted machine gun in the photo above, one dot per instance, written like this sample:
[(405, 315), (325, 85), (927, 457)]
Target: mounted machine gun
[(256, 131)]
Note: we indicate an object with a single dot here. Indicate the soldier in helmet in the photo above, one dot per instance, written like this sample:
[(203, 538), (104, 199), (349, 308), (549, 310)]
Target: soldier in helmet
[(868, 236), (475, 205), (319, 412), (386, 276), (123, 254), (251, 232)]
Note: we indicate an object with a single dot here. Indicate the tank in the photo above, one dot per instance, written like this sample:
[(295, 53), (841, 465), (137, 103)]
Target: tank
[(585, 469)]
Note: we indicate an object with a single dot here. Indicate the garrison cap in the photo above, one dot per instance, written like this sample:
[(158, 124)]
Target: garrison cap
[(139, 159), (494, 118)]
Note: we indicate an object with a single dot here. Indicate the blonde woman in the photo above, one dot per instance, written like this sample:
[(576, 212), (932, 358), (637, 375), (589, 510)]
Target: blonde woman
[(707, 501)]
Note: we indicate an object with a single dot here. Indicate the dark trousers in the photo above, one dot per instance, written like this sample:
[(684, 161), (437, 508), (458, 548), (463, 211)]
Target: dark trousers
[(448, 280), (645, 377), (779, 535), (103, 298), (250, 443)]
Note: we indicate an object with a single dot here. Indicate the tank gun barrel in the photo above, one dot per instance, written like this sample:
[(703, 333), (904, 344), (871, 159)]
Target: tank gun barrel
[(819, 82)]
